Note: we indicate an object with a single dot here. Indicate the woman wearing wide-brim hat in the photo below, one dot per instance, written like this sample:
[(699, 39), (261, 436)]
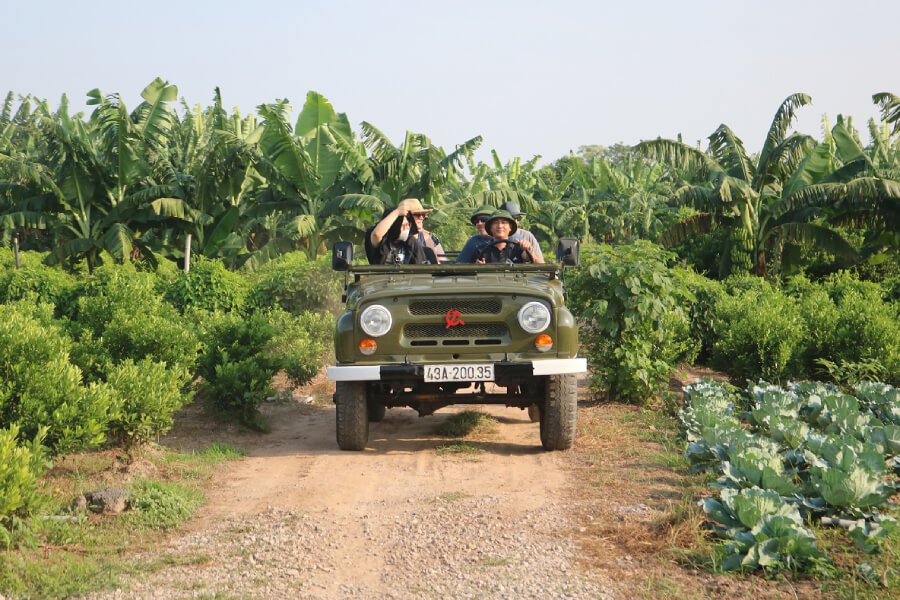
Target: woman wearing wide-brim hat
[(501, 225), (394, 238)]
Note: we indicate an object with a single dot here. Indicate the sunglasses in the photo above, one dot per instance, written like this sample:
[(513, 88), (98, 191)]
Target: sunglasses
[(419, 215), (482, 219)]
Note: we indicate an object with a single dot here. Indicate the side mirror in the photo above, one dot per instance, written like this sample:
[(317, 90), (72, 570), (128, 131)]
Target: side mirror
[(568, 251), (341, 256)]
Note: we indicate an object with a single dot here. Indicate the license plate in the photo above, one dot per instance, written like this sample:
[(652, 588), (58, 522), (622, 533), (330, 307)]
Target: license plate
[(459, 372)]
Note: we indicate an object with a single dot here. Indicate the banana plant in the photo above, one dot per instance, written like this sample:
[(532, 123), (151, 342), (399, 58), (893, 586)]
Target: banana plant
[(103, 175), (745, 196), (303, 166)]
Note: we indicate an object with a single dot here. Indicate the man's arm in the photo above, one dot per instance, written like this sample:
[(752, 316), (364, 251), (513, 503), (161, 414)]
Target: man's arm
[(535, 251), (467, 254)]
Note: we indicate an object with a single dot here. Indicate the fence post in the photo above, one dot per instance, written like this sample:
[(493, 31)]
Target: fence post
[(187, 254), (16, 251)]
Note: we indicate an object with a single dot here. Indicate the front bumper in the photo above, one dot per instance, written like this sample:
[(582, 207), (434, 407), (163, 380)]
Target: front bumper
[(550, 366)]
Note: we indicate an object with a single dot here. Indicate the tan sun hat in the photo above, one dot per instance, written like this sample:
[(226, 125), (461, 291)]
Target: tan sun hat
[(414, 206)]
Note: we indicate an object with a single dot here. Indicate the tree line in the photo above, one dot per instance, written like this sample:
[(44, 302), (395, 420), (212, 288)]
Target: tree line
[(123, 185)]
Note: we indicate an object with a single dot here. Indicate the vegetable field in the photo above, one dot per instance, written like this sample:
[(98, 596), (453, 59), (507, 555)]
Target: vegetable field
[(786, 457)]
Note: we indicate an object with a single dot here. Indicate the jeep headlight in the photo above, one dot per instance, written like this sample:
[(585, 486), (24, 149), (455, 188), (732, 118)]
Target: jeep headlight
[(534, 317), (375, 320)]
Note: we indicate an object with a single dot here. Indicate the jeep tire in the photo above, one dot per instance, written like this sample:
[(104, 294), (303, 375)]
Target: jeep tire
[(560, 412), (534, 413), (352, 415)]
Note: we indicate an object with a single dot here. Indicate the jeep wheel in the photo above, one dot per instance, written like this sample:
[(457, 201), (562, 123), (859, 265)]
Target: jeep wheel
[(534, 413), (560, 412), (376, 412), (352, 415)]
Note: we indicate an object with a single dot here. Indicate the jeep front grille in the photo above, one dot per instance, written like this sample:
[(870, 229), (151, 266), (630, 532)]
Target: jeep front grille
[(416, 331), (489, 306)]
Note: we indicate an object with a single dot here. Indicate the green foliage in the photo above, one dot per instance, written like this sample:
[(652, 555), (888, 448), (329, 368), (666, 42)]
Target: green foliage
[(44, 283), (467, 422), (764, 531), (208, 286), (27, 259), (296, 284), (800, 453), (632, 309), (150, 394), (158, 505), (41, 388), (759, 333), (301, 341), (852, 373), (21, 467), (236, 371), (161, 338), (116, 287), (123, 316), (867, 329)]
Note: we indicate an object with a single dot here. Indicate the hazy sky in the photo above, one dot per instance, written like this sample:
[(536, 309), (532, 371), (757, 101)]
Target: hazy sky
[(530, 77)]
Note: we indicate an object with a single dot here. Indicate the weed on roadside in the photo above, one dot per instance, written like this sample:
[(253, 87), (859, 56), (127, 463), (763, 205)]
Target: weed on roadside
[(449, 497), (467, 448), (64, 554), (494, 561), (469, 422)]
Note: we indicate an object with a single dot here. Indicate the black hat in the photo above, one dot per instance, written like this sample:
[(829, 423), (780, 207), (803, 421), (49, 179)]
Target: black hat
[(512, 207), (484, 211)]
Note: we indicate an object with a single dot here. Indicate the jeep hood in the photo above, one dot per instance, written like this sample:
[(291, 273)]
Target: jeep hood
[(375, 286)]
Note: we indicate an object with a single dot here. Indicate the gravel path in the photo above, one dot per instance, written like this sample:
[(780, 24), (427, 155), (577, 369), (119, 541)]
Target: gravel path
[(431, 549), (299, 519)]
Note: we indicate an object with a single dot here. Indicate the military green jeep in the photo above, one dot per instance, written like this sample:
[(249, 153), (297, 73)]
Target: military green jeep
[(418, 335)]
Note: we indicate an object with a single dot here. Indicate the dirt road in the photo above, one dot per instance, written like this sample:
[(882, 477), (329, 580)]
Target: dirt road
[(298, 518)]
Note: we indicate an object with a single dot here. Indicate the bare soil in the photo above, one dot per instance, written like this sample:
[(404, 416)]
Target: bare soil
[(298, 518)]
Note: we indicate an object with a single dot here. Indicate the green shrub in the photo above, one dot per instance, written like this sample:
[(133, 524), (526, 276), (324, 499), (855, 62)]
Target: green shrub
[(164, 338), (47, 284), (166, 273), (21, 467), (149, 393), (123, 316), (700, 307), (867, 329), (208, 286), (116, 287), (236, 370), (631, 307), (295, 284), (77, 416), (27, 258), (41, 388), (303, 342), (820, 316), (759, 334)]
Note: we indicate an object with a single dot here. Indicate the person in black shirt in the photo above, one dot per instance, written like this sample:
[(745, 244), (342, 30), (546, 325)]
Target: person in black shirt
[(501, 226), (393, 240)]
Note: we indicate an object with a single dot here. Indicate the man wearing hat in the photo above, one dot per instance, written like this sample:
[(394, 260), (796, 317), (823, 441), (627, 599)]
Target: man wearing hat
[(512, 207), (393, 240), (501, 225), (481, 239)]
